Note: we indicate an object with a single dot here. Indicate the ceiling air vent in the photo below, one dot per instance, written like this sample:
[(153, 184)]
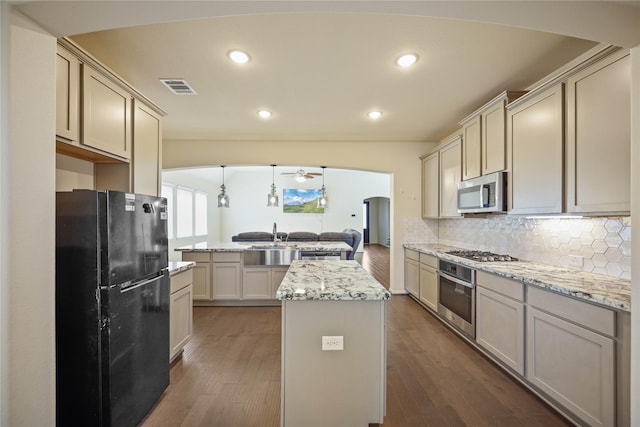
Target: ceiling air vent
[(178, 86)]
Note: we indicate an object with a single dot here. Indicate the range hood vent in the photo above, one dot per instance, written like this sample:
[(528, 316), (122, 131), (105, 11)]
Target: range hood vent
[(178, 86)]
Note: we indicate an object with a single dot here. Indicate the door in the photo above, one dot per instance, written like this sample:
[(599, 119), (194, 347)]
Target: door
[(365, 222), (136, 236), (135, 349)]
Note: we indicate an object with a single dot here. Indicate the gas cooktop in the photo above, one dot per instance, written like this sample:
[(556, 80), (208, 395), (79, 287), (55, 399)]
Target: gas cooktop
[(481, 256)]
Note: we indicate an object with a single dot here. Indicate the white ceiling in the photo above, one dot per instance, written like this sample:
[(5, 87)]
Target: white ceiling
[(321, 72)]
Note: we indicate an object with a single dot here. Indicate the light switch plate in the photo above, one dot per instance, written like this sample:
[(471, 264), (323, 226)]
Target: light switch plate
[(331, 343)]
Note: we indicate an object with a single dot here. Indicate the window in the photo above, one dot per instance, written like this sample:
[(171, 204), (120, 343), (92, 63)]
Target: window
[(167, 193), (201, 213), (184, 212)]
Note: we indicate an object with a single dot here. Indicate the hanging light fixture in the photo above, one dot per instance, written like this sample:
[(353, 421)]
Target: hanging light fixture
[(323, 201), (223, 198), (272, 197)]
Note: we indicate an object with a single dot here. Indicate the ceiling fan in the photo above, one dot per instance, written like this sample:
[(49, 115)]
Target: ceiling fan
[(301, 175)]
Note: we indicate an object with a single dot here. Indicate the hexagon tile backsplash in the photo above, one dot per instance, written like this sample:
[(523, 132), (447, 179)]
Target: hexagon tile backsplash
[(603, 243)]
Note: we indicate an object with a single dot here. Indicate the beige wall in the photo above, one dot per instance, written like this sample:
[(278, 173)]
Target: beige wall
[(28, 226), (401, 159), (635, 233)]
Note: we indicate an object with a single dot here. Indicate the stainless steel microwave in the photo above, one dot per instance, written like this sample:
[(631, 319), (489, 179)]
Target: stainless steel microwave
[(485, 193)]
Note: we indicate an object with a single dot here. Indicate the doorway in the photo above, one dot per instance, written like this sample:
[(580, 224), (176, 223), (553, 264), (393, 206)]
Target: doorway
[(375, 218)]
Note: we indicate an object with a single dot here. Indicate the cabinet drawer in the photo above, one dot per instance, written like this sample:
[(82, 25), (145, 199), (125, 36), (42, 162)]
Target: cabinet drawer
[(227, 256), (196, 256), (411, 254), (599, 319), (429, 260), (507, 287), (180, 280)]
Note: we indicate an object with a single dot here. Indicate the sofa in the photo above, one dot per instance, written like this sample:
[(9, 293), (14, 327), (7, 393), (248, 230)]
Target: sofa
[(349, 236)]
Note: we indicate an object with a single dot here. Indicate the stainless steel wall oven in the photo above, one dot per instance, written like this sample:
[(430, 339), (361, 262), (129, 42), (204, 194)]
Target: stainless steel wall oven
[(456, 287)]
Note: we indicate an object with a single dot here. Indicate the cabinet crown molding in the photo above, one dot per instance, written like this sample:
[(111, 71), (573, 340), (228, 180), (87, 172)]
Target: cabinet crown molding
[(86, 58), (507, 95)]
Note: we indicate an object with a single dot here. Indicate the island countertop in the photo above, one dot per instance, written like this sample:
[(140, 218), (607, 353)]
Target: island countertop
[(330, 281), (596, 288), (311, 246), (176, 267)]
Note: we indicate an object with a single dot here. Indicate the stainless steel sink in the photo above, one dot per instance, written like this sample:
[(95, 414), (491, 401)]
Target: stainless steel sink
[(270, 255)]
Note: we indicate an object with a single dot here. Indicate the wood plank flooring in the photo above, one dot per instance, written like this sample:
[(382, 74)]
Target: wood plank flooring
[(229, 375)]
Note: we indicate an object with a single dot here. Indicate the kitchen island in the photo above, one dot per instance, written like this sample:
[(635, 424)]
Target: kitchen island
[(333, 345)]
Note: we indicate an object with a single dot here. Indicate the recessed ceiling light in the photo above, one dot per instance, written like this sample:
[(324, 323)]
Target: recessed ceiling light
[(375, 115), (407, 60), (265, 114), (238, 56)]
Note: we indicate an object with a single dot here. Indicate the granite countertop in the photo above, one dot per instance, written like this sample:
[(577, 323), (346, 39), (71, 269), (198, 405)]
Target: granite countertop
[(243, 246), (176, 267), (330, 281), (596, 288)]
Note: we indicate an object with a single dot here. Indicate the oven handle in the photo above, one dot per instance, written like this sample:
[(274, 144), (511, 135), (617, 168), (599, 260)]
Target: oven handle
[(454, 280)]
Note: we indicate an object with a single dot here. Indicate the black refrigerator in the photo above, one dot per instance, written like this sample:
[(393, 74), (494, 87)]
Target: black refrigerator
[(112, 307)]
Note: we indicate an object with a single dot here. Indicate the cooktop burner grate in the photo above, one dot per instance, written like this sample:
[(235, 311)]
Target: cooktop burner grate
[(481, 256)]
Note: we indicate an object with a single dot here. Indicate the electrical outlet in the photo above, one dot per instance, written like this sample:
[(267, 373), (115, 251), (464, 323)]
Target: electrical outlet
[(576, 261), (332, 343)]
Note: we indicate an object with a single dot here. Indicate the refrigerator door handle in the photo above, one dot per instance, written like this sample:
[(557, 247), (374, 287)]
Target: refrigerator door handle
[(136, 285)]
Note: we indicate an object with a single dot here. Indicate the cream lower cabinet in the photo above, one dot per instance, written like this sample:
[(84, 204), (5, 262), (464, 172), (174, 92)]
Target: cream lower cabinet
[(226, 276), (201, 274), (412, 272), (500, 319), (180, 312), (572, 358), (261, 282), (429, 281)]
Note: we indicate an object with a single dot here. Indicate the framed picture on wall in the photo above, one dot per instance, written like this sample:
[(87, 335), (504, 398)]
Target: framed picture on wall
[(301, 201)]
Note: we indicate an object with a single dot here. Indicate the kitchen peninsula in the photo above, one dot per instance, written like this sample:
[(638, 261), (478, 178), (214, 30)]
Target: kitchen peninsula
[(248, 273), (333, 345)]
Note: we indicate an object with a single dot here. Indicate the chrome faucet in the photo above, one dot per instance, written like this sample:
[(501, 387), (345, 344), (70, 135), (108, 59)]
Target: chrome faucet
[(275, 233)]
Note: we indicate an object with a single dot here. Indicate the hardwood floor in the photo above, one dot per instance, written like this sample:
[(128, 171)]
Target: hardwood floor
[(229, 374)]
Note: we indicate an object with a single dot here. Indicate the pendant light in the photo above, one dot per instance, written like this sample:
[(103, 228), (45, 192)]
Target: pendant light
[(272, 197), (223, 198), (323, 201)]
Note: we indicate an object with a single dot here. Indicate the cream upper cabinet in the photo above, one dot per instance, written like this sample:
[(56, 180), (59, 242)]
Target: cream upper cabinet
[(484, 137), (535, 150), (431, 185), (106, 114), (471, 164), (598, 137), (67, 95), (147, 141), (450, 176)]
